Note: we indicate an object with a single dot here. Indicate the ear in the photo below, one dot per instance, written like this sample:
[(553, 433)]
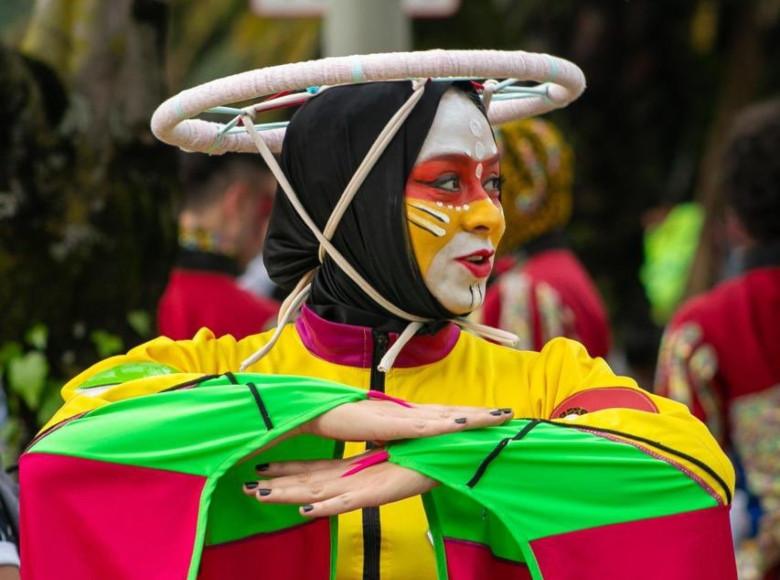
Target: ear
[(735, 230), (234, 198)]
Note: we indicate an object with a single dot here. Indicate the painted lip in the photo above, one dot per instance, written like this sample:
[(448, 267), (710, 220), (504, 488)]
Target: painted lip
[(481, 268)]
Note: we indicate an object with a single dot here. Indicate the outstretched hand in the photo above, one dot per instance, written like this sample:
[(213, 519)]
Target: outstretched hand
[(330, 487), (385, 420), (322, 489)]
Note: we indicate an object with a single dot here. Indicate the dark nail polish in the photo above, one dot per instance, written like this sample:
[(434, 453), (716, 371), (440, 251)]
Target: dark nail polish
[(262, 466), (460, 420), (506, 411), (497, 412), (250, 484), (264, 491), (307, 508)]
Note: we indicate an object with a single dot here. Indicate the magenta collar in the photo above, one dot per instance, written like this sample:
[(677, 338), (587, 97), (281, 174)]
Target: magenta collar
[(350, 345)]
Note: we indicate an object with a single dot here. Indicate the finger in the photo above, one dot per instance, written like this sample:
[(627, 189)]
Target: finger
[(386, 409), (428, 411), (411, 426), (310, 485), (470, 414), (282, 468), (301, 479), (460, 410), (376, 486), (274, 491)]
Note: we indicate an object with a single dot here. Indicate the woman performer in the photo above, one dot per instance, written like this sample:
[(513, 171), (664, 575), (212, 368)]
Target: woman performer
[(541, 290), (422, 230)]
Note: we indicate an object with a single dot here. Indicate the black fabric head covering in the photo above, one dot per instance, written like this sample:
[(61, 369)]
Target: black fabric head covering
[(325, 142)]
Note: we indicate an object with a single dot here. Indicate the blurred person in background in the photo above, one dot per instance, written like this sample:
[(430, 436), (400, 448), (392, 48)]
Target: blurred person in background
[(9, 526), (542, 290), (721, 351), (222, 223)]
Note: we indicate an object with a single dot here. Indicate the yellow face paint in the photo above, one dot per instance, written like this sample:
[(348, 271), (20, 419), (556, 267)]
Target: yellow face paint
[(452, 205)]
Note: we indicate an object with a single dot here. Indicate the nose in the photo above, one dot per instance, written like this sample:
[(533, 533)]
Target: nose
[(484, 218)]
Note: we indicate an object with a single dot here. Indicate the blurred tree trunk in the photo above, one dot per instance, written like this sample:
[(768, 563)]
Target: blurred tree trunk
[(739, 85), (87, 231)]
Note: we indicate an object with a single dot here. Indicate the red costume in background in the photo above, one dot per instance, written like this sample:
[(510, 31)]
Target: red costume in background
[(202, 292), (721, 356), (549, 294), (721, 352)]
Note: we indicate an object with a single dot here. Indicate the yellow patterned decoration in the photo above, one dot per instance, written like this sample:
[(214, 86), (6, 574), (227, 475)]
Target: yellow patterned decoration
[(536, 166), (690, 366), (756, 429)]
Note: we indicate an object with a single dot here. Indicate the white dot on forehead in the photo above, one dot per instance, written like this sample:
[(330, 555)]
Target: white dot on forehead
[(479, 170), (479, 150), (476, 128), (456, 129)]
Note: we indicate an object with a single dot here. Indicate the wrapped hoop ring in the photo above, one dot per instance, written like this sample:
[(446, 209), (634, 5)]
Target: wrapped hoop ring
[(174, 121)]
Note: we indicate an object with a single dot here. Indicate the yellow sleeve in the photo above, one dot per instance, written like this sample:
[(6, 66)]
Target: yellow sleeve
[(567, 385), (563, 369), (151, 367)]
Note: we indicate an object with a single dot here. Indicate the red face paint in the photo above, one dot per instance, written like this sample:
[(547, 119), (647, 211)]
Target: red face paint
[(455, 179)]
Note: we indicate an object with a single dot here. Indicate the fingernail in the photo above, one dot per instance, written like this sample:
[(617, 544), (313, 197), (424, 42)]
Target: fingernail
[(460, 420), (262, 466), (264, 491), (506, 411), (307, 508), (497, 412), (250, 484)]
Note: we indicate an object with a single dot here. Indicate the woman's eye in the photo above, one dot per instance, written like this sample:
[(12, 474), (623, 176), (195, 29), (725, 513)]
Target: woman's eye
[(447, 183), (493, 185)]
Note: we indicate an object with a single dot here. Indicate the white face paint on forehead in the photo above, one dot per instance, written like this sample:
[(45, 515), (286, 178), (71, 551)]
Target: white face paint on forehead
[(458, 128)]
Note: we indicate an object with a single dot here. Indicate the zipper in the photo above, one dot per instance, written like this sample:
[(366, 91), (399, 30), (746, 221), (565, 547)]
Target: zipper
[(372, 529)]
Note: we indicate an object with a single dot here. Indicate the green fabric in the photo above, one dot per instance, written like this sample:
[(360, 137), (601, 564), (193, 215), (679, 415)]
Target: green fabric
[(125, 372), (669, 251), (554, 480), (211, 430), (195, 430), (233, 516)]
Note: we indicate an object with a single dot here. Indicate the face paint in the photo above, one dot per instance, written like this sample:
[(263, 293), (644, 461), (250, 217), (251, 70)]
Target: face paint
[(453, 207)]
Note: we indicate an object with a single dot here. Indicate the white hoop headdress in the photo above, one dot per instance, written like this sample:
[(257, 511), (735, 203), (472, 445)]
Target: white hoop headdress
[(293, 84)]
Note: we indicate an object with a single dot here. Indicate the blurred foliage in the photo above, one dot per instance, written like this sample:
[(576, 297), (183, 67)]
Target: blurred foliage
[(87, 231), (231, 40), (31, 383)]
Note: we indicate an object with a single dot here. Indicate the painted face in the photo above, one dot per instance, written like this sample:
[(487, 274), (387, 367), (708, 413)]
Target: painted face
[(453, 206)]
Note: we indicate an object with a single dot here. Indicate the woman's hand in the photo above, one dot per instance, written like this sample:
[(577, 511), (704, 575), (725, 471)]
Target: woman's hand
[(388, 420), (329, 487), (321, 489)]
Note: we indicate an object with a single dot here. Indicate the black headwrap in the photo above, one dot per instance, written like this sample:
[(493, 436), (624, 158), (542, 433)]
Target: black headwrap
[(325, 142)]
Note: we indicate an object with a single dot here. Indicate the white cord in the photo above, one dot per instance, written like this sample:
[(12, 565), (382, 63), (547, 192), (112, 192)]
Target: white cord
[(392, 353), (261, 352), (303, 288), (365, 167), (488, 88)]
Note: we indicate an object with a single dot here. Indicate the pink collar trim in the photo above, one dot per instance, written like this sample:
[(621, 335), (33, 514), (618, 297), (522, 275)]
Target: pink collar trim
[(350, 345)]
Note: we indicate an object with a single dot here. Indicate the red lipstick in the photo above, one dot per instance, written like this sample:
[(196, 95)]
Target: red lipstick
[(479, 263)]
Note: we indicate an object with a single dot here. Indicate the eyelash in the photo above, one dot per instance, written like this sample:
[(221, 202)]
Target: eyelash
[(441, 181), (498, 182)]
